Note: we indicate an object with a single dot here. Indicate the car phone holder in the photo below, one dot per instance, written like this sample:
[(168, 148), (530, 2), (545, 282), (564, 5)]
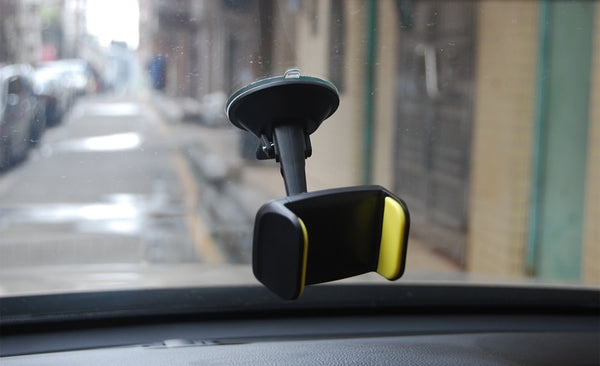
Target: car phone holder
[(322, 236)]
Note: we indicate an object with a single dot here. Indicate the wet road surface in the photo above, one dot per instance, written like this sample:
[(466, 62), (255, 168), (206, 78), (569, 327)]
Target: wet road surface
[(110, 185)]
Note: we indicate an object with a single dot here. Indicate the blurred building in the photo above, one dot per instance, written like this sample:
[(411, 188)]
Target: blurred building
[(53, 42), (41, 30), (74, 27), (486, 125), (200, 42), (20, 31)]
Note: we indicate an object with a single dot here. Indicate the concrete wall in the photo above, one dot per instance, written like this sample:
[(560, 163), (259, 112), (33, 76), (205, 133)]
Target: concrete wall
[(502, 136), (385, 94), (342, 135), (591, 234), (337, 143)]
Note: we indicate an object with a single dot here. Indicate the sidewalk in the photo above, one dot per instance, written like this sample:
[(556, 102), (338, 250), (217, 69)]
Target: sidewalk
[(239, 187)]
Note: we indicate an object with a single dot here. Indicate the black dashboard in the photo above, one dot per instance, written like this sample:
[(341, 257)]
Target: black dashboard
[(411, 324)]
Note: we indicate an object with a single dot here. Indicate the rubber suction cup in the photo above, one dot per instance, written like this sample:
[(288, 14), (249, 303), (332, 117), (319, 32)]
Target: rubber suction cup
[(290, 99)]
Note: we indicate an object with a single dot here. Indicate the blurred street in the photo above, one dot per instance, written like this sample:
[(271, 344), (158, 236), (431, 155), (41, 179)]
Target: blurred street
[(112, 184)]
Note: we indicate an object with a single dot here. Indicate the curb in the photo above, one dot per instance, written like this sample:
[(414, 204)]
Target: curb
[(179, 109), (230, 224)]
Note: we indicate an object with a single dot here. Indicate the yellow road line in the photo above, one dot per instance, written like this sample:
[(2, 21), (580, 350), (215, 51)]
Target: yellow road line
[(197, 228), (156, 119), (162, 129)]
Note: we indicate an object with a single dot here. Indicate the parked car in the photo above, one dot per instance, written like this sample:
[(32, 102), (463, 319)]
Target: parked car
[(77, 75), (50, 86), (22, 116)]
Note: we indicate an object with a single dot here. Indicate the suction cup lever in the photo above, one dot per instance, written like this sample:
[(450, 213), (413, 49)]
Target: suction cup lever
[(282, 112)]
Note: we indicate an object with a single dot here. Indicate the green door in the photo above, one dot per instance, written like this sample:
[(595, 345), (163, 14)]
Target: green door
[(567, 29)]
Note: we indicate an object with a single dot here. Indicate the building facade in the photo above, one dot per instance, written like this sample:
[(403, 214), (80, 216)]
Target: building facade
[(21, 31), (486, 125)]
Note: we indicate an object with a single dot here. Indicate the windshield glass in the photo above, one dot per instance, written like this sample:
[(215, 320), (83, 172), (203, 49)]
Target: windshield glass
[(121, 170)]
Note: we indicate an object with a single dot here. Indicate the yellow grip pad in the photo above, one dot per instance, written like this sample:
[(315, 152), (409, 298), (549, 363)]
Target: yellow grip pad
[(304, 256), (391, 248)]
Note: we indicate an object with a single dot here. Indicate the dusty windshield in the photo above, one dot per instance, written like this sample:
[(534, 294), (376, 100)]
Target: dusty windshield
[(120, 169)]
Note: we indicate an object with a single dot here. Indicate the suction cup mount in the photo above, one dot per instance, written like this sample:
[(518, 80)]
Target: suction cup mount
[(322, 236), (282, 112)]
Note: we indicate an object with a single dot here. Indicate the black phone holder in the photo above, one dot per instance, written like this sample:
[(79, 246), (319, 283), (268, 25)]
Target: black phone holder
[(310, 238)]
